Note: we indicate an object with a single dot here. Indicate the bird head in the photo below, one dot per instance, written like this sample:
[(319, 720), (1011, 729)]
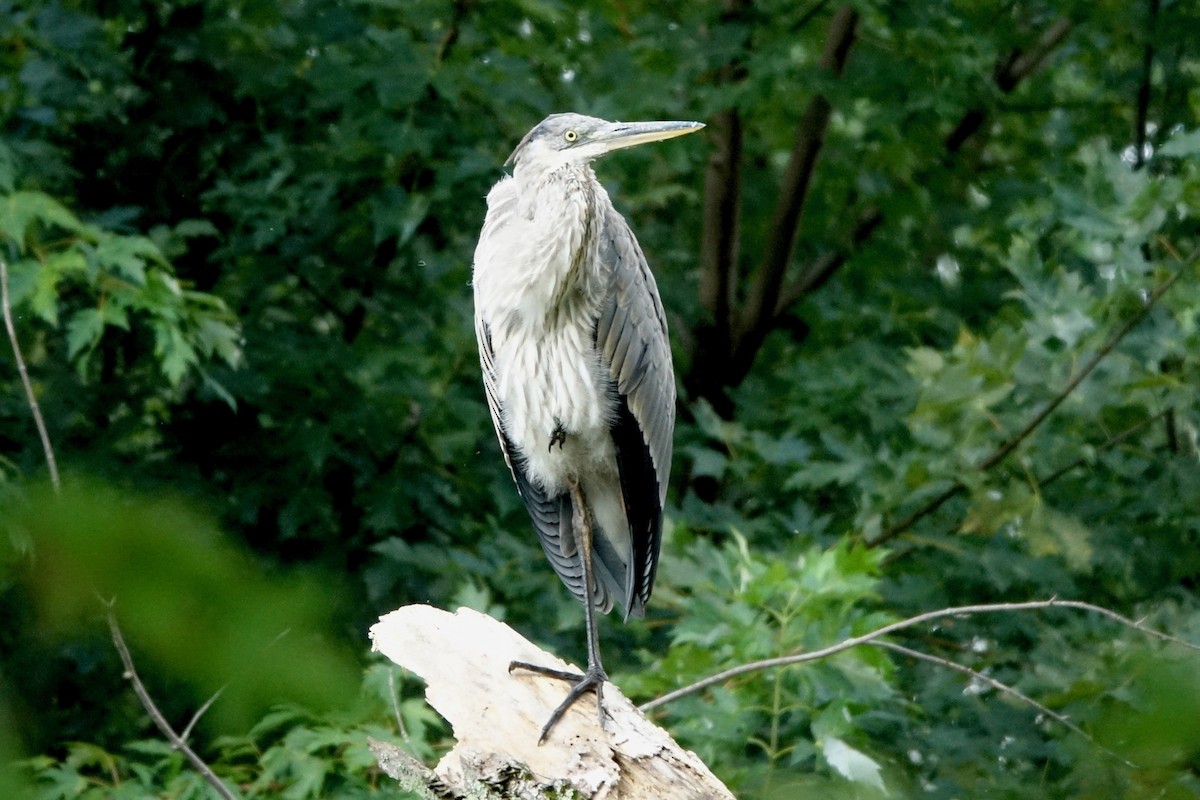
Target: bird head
[(562, 139)]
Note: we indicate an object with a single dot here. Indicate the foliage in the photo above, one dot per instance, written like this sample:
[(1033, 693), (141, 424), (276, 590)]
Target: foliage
[(289, 753), (739, 607), (240, 238), (127, 277)]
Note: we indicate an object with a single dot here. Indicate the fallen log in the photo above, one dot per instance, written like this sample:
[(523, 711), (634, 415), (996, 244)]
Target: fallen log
[(497, 718)]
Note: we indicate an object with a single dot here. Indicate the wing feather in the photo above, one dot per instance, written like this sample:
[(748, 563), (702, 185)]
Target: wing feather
[(631, 335), (551, 515)]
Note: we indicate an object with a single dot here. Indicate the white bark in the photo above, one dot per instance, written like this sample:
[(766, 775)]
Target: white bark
[(497, 718)]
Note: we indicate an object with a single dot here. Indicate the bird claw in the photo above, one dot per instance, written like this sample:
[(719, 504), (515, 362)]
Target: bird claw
[(558, 436), (591, 681)]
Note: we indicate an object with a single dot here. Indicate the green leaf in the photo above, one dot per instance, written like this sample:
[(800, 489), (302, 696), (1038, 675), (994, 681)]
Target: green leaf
[(191, 228), (128, 256), (1182, 145), (19, 210), (45, 299), (83, 332), (852, 764), (175, 354)]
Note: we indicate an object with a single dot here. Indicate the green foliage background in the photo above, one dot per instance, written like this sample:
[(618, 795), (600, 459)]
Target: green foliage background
[(239, 239)]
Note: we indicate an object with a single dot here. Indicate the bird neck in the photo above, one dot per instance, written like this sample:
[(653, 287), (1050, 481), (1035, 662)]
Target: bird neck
[(564, 205), (537, 175)]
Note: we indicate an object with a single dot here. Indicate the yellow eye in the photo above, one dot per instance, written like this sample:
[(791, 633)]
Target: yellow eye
[(571, 136)]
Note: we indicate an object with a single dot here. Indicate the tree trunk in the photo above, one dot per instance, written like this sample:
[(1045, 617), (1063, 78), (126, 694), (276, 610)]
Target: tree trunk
[(497, 718)]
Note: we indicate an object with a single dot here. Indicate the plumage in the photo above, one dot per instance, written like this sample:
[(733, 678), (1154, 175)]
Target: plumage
[(577, 364)]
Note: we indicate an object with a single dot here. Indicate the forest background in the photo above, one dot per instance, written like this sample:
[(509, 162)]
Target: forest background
[(931, 276)]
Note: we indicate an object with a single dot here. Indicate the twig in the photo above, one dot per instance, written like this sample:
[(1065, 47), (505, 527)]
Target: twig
[(1042, 482), (1008, 73), (809, 15), (823, 267), (1011, 443), (395, 698), (1112, 441), (461, 9), (1022, 65), (30, 397), (928, 616), (1003, 687), (187, 731), (159, 720)]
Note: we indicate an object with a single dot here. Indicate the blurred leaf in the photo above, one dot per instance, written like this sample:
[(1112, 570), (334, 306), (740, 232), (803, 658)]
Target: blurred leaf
[(852, 764), (187, 601)]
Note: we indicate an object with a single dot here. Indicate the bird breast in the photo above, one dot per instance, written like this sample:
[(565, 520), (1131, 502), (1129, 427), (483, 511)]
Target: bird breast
[(538, 287)]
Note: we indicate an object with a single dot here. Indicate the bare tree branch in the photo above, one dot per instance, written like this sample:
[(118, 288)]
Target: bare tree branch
[(156, 716), (1011, 443), (1112, 441), (1003, 687), (758, 314), (187, 731), (1020, 65), (30, 397), (928, 616), (825, 265), (450, 37), (394, 696), (1008, 74)]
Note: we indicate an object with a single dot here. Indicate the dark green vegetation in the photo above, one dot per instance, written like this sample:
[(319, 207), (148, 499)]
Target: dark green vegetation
[(239, 239)]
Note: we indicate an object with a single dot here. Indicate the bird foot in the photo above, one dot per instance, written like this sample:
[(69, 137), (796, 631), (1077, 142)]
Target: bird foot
[(592, 680), (558, 436)]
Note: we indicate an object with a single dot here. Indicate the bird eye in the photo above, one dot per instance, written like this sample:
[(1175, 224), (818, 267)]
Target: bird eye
[(571, 136)]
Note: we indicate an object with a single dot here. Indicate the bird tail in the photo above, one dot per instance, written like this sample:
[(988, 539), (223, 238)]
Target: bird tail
[(612, 550)]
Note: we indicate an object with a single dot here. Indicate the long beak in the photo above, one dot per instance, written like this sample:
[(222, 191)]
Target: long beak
[(616, 135)]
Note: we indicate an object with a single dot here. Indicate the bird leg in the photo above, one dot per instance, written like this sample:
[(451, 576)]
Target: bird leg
[(594, 678), (558, 436)]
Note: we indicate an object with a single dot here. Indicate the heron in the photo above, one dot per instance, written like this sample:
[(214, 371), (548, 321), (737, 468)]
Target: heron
[(577, 370)]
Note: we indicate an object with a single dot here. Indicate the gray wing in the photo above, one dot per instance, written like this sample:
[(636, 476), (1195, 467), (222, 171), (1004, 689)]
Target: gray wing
[(551, 515), (631, 336)]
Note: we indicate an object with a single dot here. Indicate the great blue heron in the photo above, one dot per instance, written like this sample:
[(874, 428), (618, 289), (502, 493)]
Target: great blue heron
[(577, 368)]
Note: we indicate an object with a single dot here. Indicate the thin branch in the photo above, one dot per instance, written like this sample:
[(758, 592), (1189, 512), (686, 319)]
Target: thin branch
[(759, 313), (187, 731), (450, 37), (30, 397), (825, 265), (1013, 441), (809, 15), (395, 698), (159, 720), (1112, 441), (1009, 445), (1010, 72), (1023, 64), (1003, 687), (928, 616)]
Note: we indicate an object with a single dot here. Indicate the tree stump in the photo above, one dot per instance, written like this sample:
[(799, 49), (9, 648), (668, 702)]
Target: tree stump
[(497, 718)]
